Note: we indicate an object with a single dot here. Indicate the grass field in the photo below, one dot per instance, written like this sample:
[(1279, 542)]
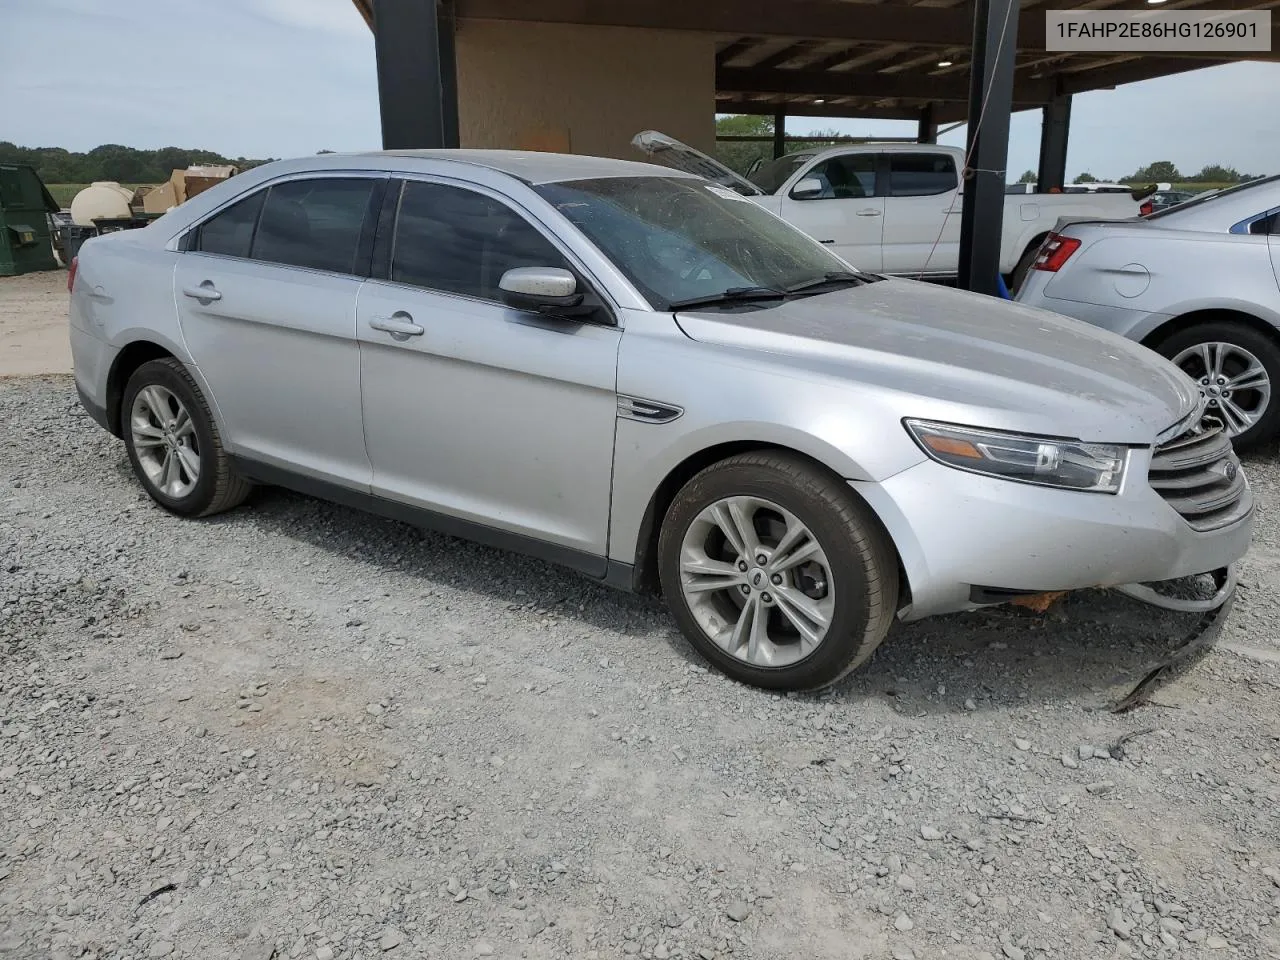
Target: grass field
[(63, 193)]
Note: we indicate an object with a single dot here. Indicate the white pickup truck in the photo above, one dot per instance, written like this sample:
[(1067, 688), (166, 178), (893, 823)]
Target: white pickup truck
[(889, 207)]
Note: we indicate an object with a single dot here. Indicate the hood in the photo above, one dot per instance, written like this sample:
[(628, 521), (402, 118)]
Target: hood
[(670, 152), (950, 355)]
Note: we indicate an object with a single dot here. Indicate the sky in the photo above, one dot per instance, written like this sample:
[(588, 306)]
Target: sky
[(276, 78)]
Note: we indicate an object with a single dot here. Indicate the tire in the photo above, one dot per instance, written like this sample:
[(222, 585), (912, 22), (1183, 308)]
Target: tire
[(158, 393), (1024, 267), (1241, 343), (852, 583)]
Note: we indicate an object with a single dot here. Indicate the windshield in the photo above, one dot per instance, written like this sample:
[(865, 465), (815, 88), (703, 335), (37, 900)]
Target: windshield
[(775, 173), (1203, 198), (680, 238)]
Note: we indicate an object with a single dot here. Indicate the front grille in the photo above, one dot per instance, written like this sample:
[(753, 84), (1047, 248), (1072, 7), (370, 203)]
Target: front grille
[(1199, 476)]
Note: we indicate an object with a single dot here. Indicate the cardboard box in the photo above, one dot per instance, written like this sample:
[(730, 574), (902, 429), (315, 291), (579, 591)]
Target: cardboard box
[(158, 199), (197, 179)]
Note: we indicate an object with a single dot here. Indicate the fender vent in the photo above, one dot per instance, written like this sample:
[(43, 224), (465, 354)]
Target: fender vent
[(647, 411)]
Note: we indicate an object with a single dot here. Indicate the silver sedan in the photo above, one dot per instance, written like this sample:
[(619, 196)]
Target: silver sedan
[(649, 378), (1198, 282)]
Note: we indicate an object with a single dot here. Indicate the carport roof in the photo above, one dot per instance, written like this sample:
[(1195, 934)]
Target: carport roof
[(834, 58)]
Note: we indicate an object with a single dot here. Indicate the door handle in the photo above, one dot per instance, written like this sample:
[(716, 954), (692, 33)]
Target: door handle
[(826, 241), (400, 325), (868, 213), (206, 292)]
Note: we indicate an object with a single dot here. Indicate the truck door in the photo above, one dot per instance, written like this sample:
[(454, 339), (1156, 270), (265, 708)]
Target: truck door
[(847, 213), (921, 213)]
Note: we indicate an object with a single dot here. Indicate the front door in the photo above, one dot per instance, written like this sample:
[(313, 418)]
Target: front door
[(848, 214), (482, 412), (266, 294)]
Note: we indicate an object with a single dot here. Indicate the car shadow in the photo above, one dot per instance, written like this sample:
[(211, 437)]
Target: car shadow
[(1091, 648)]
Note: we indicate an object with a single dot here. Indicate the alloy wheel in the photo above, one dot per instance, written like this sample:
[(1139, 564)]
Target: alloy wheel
[(757, 581), (165, 441), (1232, 380)]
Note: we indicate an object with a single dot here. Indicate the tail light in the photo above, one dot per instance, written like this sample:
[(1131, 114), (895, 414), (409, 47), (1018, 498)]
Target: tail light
[(1055, 251), (71, 273), (1146, 208)]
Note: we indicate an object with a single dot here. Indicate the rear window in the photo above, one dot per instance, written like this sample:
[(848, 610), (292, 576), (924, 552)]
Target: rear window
[(921, 174), (230, 232)]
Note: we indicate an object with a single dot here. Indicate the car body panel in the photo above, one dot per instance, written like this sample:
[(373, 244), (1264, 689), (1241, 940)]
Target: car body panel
[(511, 416), (280, 341), (1023, 370)]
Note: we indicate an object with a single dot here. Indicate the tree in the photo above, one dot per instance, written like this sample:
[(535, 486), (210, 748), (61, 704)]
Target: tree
[(1155, 172), (739, 155), (1085, 177), (112, 161), (1216, 173), (1029, 177)]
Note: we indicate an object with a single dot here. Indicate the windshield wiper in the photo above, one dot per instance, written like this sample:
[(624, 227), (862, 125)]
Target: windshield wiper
[(833, 278), (732, 295)]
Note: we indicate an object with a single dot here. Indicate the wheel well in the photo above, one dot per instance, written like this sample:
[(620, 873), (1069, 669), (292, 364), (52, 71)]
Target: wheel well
[(645, 577), (1197, 317), (129, 359)]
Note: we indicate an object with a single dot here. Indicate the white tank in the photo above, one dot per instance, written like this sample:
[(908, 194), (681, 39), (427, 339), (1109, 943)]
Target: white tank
[(106, 198)]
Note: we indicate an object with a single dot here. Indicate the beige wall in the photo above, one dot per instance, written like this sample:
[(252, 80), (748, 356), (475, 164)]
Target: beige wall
[(577, 89)]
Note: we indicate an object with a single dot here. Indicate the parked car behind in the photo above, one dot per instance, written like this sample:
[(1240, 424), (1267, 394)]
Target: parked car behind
[(888, 207), (648, 378), (1162, 199), (1196, 282)]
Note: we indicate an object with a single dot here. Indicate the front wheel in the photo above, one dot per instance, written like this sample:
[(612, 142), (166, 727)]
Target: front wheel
[(776, 572), (1235, 367)]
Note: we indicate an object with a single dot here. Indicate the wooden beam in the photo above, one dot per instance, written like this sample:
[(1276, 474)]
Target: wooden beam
[(1144, 68), (945, 113), (795, 19), (735, 49), (813, 83), (789, 52)]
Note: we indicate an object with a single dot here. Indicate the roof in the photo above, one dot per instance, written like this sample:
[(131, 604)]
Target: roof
[(537, 167), (833, 58)]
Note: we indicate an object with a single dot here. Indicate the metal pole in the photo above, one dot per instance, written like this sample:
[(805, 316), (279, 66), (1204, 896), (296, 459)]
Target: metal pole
[(446, 26), (407, 44), (1053, 143), (927, 127), (995, 35), (779, 134)]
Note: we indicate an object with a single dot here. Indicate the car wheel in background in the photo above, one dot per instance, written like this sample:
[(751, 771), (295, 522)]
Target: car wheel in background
[(1238, 371), (776, 572), (1024, 267), (173, 442)]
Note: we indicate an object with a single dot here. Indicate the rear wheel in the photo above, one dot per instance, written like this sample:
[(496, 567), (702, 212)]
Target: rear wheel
[(1024, 267), (173, 442), (1236, 368), (776, 572)]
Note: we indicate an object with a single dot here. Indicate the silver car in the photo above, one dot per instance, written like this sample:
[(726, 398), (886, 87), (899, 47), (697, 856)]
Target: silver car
[(1198, 282), (648, 378)]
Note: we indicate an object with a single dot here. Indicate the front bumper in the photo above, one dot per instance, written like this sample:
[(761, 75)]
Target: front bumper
[(956, 530)]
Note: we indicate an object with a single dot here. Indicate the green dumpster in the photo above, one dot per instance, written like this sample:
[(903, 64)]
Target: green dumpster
[(25, 204)]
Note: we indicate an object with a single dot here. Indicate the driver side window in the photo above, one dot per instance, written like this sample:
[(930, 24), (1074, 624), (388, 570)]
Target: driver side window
[(851, 177)]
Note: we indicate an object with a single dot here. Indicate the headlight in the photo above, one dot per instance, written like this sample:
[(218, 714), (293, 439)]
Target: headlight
[(1096, 467)]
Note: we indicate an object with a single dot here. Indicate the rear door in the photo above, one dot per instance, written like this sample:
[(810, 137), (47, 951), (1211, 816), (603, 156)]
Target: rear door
[(921, 213), (848, 214), (482, 412), (266, 293)]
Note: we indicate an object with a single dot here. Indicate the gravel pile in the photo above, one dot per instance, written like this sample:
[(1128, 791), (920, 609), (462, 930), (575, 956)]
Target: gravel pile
[(296, 731)]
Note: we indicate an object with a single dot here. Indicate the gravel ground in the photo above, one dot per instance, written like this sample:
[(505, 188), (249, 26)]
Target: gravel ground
[(302, 732)]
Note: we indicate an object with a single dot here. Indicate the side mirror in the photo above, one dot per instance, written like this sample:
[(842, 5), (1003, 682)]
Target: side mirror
[(552, 290), (810, 188)]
